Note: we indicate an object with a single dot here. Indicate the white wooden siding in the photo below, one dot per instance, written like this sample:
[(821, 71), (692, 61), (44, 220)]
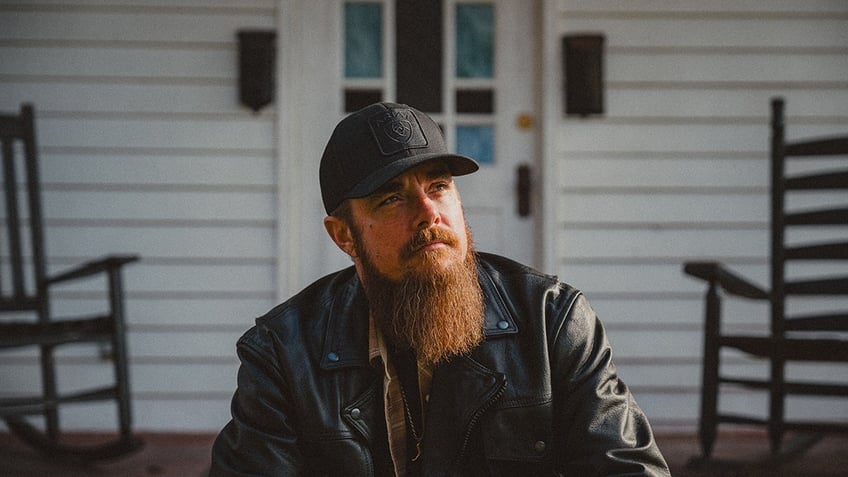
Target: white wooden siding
[(677, 169), (146, 150)]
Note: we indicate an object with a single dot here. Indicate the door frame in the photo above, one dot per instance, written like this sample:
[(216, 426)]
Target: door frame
[(296, 34)]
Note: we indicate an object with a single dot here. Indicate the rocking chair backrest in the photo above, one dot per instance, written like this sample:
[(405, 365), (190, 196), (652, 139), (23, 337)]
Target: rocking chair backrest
[(22, 276), (799, 231)]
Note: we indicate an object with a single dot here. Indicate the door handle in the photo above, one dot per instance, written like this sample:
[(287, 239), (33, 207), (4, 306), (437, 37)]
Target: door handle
[(523, 189)]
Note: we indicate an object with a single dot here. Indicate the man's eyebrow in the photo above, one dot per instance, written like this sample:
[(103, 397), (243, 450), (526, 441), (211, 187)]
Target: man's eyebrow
[(392, 185)]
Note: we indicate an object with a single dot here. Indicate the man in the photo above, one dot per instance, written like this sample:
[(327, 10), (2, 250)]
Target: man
[(425, 357)]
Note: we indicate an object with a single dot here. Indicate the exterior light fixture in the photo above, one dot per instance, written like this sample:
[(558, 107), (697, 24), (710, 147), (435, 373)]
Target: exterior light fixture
[(583, 74)]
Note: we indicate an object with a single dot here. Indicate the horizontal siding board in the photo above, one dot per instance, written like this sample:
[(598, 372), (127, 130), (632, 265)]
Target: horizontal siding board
[(683, 376), (643, 278), (659, 314), (159, 170), (184, 413), (161, 242), (128, 26), (190, 413), (159, 205), (140, 5), (662, 208), (159, 99), (679, 245), (800, 201), (169, 242), (686, 102), (718, 32), (674, 409), (183, 345), (697, 6), (142, 278), (667, 410), (826, 409), (658, 174), (573, 137), (199, 378), (209, 312), (170, 134), (688, 376), (137, 62), (650, 344), (723, 67), (698, 172), (159, 378), (152, 346), (654, 312)]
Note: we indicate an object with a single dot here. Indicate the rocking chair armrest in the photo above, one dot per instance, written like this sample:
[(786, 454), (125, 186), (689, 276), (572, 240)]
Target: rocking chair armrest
[(93, 267), (716, 273)]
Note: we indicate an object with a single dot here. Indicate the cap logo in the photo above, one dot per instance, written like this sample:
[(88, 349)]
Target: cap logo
[(396, 130)]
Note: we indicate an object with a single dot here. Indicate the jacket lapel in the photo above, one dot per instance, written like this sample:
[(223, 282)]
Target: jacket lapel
[(346, 331)]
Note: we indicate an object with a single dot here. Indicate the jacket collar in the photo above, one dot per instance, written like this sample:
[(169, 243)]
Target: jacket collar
[(346, 336)]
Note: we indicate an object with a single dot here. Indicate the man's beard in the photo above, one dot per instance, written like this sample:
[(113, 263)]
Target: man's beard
[(435, 310)]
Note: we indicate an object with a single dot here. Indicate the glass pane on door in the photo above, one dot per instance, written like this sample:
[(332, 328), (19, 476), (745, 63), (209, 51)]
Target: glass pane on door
[(474, 40), (477, 142), (363, 40)]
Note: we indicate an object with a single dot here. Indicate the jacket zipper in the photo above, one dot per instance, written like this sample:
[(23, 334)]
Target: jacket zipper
[(473, 423)]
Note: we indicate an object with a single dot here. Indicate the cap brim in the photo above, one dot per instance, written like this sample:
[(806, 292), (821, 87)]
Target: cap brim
[(458, 165)]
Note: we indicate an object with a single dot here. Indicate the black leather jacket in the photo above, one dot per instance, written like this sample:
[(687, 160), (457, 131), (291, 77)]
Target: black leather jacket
[(539, 397)]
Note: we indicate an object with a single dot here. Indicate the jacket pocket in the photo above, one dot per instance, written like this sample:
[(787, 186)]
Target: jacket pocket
[(344, 442), (519, 439), (340, 456)]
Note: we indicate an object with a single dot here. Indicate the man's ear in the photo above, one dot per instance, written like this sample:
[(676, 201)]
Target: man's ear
[(341, 234)]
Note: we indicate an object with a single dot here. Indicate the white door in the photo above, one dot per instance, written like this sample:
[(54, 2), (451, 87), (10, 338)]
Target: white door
[(472, 65)]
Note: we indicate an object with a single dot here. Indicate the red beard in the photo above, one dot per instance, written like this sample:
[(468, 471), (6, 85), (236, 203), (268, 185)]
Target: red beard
[(434, 309)]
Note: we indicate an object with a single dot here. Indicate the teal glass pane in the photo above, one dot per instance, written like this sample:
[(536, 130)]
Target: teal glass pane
[(475, 32), (476, 142), (363, 40)]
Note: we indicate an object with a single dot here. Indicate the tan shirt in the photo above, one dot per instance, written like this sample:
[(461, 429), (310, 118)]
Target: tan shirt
[(395, 412)]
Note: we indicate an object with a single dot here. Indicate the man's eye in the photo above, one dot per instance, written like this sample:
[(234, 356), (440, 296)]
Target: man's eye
[(390, 200)]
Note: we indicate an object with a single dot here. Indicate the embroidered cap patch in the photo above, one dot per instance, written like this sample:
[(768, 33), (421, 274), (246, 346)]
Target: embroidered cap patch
[(396, 130)]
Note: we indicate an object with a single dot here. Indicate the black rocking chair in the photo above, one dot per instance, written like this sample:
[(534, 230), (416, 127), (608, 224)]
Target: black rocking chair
[(25, 298), (809, 317)]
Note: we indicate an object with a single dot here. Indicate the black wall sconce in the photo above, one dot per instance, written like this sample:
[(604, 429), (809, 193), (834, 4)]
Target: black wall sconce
[(583, 75), (257, 52)]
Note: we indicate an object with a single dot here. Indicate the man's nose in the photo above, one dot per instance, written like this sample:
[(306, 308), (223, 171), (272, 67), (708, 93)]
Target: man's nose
[(427, 212)]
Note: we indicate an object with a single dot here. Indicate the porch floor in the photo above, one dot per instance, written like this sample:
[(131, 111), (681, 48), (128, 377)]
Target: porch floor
[(738, 454)]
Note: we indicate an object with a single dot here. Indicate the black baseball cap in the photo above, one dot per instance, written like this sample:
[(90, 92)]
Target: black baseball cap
[(377, 143)]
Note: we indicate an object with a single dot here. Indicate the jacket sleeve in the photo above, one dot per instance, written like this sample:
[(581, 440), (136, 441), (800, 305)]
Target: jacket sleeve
[(598, 425), (260, 439)]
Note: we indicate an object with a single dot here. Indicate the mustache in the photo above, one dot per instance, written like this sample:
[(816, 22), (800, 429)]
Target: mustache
[(434, 234)]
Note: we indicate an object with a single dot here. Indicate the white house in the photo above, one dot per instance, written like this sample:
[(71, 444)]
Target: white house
[(146, 149)]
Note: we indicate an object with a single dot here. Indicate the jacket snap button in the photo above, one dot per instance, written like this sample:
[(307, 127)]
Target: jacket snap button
[(539, 446), (503, 324), (333, 357), (355, 413)]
